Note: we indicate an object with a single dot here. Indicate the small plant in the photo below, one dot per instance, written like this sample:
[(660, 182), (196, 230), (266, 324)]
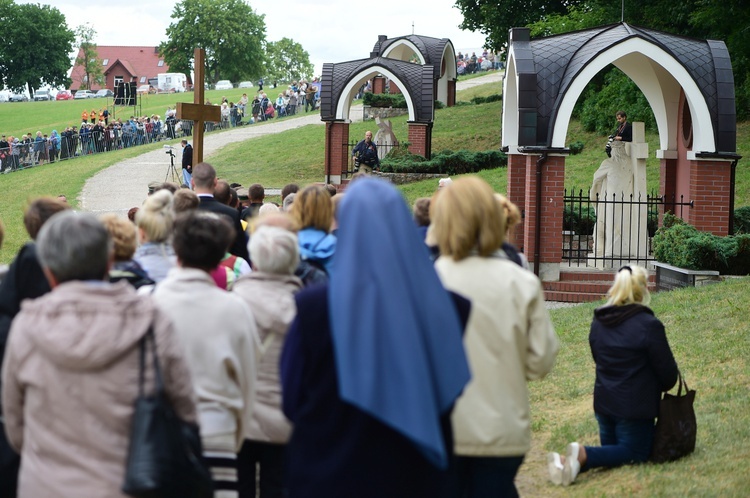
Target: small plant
[(579, 219), (742, 220), (576, 147)]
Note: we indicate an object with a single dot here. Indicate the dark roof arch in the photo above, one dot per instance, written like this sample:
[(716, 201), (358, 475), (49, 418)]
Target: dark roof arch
[(430, 48)]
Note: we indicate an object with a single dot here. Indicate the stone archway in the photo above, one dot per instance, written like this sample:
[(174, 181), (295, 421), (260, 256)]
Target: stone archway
[(546, 76), (340, 83)]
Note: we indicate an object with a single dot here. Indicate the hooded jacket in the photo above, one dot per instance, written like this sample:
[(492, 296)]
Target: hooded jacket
[(70, 379), (634, 363)]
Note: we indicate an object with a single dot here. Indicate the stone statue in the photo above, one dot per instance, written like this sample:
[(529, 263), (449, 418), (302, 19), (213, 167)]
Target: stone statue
[(384, 137), (620, 230)]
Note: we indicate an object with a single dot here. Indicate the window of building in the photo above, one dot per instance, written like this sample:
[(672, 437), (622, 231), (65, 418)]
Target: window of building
[(143, 79), (161, 63), (105, 62)]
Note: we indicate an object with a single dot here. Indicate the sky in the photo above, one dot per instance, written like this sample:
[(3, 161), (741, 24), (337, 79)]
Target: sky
[(350, 31)]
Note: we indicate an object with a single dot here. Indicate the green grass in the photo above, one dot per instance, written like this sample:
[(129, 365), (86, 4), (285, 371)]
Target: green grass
[(707, 330)]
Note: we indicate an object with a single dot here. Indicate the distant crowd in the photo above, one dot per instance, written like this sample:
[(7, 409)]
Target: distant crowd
[(470, 64)]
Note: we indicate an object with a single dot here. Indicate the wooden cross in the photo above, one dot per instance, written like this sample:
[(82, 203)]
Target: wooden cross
[(198, 112)]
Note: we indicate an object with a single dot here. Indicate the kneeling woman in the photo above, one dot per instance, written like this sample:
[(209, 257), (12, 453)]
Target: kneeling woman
[(634, 364)]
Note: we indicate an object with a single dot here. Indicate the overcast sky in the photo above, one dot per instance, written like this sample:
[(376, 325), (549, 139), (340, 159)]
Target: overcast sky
[(330, 30)]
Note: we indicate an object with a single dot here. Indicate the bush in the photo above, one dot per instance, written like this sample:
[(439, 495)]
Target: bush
[(742, 220), (576, 147), (486, 100), (579, 219), (444, 162), (679, 244), (396, 100)]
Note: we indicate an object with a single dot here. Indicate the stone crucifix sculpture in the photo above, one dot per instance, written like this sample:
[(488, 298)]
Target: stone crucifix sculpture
[(198, 112)]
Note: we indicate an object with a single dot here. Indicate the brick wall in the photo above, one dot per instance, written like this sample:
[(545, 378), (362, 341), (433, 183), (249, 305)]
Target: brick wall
[(336, 150), (419, 135), (517, 195), (553, 186), (710, 190), (378, 84)]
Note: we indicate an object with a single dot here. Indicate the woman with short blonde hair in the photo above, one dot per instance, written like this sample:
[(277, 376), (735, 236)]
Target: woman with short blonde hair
[(155, 220), (313, 212), (509, 339)]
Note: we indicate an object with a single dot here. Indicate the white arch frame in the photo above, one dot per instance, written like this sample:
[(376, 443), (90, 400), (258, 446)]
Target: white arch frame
[(660, 85), (347, 94), (400, 44), (449, 56)]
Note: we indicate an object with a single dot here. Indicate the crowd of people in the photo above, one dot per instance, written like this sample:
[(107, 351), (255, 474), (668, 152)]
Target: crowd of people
[(336, 344), (471, 64), (100, 132)]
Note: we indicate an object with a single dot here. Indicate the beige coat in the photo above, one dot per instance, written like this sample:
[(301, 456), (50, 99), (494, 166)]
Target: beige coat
[(509, 339), (218, 333), (70, 378), (271, 299)]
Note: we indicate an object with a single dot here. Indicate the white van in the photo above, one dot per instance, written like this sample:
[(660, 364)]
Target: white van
[(171, 82)]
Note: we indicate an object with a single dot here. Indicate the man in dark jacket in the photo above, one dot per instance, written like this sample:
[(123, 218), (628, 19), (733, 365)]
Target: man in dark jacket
[(187, 163), (204, 183), (365, 154)]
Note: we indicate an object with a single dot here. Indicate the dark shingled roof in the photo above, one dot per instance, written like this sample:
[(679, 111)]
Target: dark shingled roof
[(557, 60), (417, 81), (431, 48)]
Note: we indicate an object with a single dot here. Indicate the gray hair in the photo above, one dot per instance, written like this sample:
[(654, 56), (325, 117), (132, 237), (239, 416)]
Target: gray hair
[(288, 201), (274, 250), (74, 246)]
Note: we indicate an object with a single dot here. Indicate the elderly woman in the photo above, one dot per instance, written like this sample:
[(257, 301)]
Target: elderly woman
[(510, 338), (634, 364), (123, 234), (71, 364), (155, 220), (218, 333), (269, 292), (370, 388), (313, 212)]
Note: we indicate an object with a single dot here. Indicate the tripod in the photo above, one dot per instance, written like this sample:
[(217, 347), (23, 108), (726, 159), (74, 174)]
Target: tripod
[(172, 174)]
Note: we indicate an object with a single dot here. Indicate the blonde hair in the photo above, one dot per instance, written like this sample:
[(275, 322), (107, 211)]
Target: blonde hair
[(467, 217), (156, 217), (630, 286), (312, 208), (123, 235)]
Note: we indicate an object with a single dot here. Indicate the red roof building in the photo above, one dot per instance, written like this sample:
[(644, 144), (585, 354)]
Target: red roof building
[(123, 64)]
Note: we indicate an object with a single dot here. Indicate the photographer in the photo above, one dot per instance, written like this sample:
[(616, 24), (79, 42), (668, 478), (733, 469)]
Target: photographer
[(187, 162), (623, 133), (365, 155)]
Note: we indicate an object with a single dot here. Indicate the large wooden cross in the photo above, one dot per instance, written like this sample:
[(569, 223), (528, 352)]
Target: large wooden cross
[(198, 112)]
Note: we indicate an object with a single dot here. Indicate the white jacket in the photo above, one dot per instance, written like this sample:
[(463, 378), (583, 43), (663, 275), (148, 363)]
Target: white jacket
[(218, 333), (509, 339)]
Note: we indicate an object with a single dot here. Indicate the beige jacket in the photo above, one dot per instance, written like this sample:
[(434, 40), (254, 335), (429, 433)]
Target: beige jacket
[(509, 339), (218, 333), (70, 379), (271, 299)]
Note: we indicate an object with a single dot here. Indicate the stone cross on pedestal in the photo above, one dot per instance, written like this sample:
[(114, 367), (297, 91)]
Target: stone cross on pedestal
[(198, 112)]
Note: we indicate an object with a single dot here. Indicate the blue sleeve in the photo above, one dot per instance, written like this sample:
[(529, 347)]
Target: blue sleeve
[(291, 368)]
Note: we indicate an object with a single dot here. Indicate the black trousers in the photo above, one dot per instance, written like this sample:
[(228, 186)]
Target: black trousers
[(9, 465), (270, 458)]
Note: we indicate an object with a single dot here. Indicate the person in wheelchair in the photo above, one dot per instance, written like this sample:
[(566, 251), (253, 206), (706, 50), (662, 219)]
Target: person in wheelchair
[(365, 155)]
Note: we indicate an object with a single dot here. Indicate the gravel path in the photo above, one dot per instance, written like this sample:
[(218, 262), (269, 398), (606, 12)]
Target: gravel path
[(125, 184)]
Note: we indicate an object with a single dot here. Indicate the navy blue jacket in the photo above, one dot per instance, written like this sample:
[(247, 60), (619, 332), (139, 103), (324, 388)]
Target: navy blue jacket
[(634, 363), (337, 450)]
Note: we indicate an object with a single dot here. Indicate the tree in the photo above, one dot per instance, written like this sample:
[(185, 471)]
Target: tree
[(287, 61), (34, 45), (89, 56), (232, 34)]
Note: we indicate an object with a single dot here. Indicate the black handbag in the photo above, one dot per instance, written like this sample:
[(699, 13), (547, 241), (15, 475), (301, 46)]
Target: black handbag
[(676, 428), (165, 457)]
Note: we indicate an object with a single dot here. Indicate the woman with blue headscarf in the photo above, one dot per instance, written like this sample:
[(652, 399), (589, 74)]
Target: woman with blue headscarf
[(373, 362)]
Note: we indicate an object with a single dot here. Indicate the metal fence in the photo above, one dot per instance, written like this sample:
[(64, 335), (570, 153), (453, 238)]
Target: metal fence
[(383, 150), (613, 230)]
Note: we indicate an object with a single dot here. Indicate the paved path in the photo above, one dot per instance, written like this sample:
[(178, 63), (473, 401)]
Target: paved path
[(125, 184)]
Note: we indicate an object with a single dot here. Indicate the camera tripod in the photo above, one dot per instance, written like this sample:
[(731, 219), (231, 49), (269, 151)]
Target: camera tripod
[(172, 174)]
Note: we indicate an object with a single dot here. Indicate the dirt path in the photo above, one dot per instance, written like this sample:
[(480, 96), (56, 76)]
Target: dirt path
[(125, 184)]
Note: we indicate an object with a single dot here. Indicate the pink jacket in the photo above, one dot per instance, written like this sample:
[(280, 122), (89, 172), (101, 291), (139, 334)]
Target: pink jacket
[(70, 378)]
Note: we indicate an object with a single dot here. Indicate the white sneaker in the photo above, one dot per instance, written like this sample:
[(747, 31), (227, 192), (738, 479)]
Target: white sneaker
[(572, 466), (555, 467)]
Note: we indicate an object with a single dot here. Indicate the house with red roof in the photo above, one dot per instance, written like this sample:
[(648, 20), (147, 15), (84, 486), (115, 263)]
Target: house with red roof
[(122, 65)]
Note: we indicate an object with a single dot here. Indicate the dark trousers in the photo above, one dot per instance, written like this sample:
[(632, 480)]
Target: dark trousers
[(9, 466), (270, 459), (623, 441), (485, 477)]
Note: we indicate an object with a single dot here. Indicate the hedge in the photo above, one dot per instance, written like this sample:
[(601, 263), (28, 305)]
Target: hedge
[(399, 160)]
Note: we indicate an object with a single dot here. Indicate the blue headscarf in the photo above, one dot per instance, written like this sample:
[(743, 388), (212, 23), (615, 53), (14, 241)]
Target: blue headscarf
[(396, 333)]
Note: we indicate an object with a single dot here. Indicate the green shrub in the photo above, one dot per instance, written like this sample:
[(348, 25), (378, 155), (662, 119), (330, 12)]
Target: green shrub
[(679, 244), (444, 162), (742, 220), (576, 147), (486, 100), (578, 219), (396, 100)]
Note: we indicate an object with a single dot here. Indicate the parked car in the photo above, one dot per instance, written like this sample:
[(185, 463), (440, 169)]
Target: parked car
[(223, 85), (17, 97), (64, 95), (245, 84), (104, 93), (84, 94), (42, 95)]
